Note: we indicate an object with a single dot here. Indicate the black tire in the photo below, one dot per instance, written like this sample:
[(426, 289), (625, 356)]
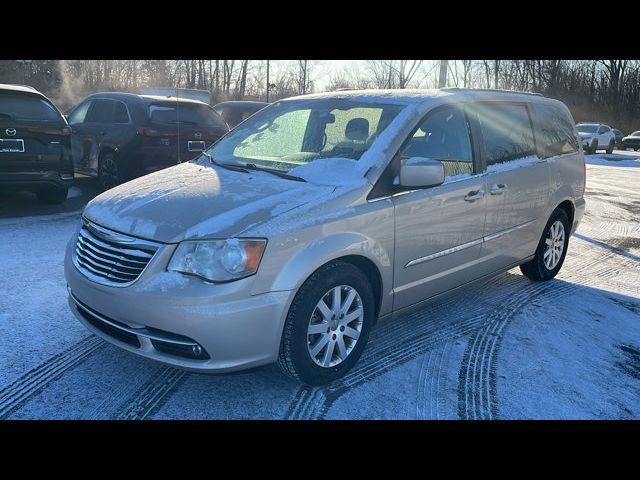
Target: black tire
[(109, 171), (52, 195), (295, 359), (535, 269), (611, 146)]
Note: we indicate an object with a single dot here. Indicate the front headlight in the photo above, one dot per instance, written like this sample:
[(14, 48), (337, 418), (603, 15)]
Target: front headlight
[(218, 260)]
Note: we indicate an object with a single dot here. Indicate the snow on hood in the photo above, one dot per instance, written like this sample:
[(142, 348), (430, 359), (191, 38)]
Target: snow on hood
[(198, 200)]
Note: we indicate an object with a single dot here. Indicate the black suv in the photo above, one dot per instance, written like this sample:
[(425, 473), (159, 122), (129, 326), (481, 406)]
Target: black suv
[(35, 148), (120, 136)]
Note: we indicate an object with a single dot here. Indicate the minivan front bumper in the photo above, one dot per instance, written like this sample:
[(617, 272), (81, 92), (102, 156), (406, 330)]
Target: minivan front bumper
[(236, 330)]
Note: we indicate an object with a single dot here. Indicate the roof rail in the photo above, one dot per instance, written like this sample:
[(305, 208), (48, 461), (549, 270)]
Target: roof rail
[(498, 90)]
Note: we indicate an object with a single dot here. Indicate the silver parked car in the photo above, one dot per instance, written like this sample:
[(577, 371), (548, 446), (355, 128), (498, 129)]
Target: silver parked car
[(320, 214)]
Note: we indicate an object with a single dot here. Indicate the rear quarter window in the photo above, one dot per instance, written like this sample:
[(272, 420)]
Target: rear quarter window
[(27, 107), (554, 130)]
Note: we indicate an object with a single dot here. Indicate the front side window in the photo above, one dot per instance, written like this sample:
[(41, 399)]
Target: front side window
[(603, 130), (443, 136), (80, 113), (292, 133), (554, 132), (506, 130)]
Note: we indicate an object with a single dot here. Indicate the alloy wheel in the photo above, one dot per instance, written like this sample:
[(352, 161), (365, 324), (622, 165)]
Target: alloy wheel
[(555, 245), (335, 326)]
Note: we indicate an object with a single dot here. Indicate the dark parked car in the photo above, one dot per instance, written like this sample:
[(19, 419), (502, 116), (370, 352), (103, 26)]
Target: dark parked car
[(236, 112), (35, 148), (632, 141), (120, 136), (619, 136)]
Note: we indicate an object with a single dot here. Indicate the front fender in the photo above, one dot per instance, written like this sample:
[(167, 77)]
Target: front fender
[(323, 250)]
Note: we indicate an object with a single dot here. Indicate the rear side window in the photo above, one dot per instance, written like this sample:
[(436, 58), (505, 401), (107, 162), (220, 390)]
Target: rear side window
[(506, 130), (26, 107), (554, 131), (100, 111), (185, 113), (120, 114)]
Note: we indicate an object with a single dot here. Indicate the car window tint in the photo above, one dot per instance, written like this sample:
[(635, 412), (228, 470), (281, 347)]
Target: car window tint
[(120, 114), (79, 113), (506, 131), (443, 136), (554, 132), (185, 113), (27, 107), (100, 111)]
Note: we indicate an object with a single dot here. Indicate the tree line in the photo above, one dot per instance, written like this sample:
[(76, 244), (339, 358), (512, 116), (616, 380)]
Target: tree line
[(594, 90)]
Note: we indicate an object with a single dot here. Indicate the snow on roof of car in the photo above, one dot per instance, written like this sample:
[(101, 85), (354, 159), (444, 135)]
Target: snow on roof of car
[(19, 88), (423, 96)]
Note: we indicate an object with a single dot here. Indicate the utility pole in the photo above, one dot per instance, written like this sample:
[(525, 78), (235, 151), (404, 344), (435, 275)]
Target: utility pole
[(267, 81), (444, 65)]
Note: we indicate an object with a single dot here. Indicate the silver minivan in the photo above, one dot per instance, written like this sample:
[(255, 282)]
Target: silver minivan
[(320, 214)]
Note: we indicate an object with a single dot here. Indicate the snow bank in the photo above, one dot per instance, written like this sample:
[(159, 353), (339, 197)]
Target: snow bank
[(613, 160)]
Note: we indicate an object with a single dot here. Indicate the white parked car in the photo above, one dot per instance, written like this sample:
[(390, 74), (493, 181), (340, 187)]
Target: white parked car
[(596, 136)]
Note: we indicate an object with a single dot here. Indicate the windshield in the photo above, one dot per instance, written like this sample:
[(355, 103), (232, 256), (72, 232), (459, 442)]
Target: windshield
[(636, 134), (292, 133), (588, 128)]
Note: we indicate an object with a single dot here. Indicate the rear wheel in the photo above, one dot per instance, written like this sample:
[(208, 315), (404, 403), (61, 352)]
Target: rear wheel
[(328, 325), (109, 174), (52, 195), (551, 250)]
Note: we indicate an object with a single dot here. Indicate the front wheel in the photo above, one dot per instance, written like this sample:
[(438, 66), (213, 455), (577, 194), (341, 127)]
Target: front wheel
[(610, 147), (551, 250), (328, 324), (109, 171)]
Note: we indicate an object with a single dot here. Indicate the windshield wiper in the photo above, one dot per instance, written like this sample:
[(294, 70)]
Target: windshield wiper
[(278, 173), (223, 165)]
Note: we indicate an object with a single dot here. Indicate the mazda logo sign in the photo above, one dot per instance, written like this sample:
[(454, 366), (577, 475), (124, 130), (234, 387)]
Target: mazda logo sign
[(10, 131)]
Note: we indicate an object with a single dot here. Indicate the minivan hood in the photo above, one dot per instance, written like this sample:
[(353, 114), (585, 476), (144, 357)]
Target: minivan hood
[(198, 200)]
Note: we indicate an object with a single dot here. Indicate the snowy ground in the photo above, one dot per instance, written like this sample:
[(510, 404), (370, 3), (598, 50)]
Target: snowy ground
[(506, 348)]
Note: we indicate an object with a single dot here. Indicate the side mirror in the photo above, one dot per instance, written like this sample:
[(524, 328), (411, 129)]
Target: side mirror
[(419, 172)]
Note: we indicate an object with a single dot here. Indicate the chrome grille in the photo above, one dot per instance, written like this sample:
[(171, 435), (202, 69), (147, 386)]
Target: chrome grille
[(111, 258)]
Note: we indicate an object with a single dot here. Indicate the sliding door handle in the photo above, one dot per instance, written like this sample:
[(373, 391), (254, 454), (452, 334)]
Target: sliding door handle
[(473, 196)]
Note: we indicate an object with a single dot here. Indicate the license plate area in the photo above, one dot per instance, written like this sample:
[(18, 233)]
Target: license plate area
[(195, 145), (11, 145)]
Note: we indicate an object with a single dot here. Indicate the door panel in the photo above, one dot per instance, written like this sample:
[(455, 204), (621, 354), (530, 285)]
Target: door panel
[(516, 204), (438, 239)]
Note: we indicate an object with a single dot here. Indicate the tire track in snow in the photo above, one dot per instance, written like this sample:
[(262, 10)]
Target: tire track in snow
[(151, 395), (428, 399), (315, 402), (19, 392), (477, 396)]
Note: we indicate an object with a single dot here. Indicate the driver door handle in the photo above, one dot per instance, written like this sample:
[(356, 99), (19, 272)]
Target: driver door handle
[(473, 196), (498, 188)]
